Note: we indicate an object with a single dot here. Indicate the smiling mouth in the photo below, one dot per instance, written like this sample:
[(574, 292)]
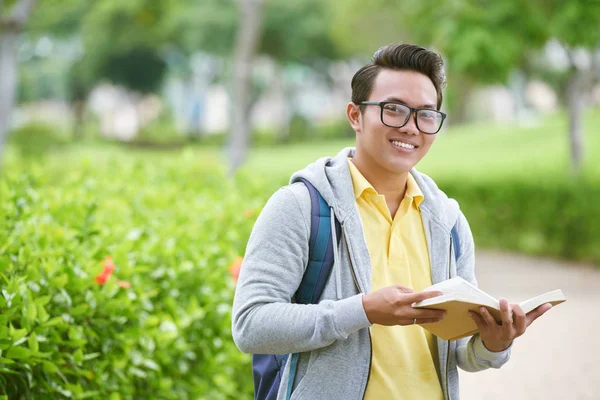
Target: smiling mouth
[(403, 145)]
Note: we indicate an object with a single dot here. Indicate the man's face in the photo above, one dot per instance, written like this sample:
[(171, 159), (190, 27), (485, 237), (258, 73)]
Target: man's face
[(376, 143)]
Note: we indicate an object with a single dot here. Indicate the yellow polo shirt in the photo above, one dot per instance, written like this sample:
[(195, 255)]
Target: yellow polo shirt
[(403, 356)]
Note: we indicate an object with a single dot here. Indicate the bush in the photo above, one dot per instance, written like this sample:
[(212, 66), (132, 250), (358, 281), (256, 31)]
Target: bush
[(35, 139), (300, 131), (540, 217), (162, 329)]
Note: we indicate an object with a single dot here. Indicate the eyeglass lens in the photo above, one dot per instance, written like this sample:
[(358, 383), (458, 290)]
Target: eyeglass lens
[(397, 115)]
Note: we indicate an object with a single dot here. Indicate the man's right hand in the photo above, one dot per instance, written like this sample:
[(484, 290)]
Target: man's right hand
[(393, 306)]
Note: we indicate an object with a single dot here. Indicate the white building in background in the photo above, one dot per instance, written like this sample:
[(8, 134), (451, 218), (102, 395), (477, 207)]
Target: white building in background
[(121, 113), (201, 103)]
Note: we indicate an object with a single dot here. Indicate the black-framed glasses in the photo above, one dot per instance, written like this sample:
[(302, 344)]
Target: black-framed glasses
[(396, 115)]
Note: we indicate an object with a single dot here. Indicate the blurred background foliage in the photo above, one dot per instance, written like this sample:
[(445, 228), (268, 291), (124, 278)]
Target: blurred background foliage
[(114, 121)]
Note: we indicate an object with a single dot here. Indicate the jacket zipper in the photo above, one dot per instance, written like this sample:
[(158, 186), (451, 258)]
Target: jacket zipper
[(448, 351), (351, 263), (360, 291)]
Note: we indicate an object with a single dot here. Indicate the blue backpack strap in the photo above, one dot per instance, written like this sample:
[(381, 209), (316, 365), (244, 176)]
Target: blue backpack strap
[(320, 253), (320, 261), (455, 242)]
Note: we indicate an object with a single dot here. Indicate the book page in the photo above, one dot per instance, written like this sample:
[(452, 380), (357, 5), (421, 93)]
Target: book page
[(460, 289), (555, 297)]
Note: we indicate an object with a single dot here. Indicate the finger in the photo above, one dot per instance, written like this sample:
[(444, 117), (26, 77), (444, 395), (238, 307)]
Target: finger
[(519, 319), (505, 313), (427, 320), (480, 322), (421, 313), (538, 312), (487, 317), (416, 297), (404, 289)]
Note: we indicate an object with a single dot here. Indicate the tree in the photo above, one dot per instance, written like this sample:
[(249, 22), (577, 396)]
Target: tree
[(576, 25), (483, 41), (247, 43), (12, 21), (296, 36), (123, 42)]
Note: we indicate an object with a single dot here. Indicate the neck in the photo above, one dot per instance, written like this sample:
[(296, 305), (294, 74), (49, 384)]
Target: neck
[(388, 183)]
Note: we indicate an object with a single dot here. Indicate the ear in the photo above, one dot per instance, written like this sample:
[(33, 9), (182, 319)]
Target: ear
[(354, 116)]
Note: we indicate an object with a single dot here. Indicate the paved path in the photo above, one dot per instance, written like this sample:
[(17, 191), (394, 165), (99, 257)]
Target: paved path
[(559, 355)]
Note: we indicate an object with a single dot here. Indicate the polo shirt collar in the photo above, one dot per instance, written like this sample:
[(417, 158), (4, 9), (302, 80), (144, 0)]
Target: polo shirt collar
[(361, 185)]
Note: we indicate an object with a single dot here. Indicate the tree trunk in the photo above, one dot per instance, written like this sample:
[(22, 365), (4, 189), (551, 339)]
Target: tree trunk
[(10, 28), (283, 135), (79, 107), (459, 113), (247, 41), (575, 104), (8, 83)]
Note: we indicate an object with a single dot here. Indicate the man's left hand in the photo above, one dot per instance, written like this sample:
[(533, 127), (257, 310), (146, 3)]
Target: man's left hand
[(499, 336)]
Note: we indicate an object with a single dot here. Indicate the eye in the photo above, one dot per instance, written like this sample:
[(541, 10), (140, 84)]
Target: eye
[(428, 114), (395, 108)]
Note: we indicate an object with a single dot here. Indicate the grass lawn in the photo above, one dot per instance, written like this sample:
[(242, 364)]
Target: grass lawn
[(476, 151), (536, 150)]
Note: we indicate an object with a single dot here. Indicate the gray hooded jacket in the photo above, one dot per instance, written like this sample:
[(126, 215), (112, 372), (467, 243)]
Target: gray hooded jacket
[(333, 336)]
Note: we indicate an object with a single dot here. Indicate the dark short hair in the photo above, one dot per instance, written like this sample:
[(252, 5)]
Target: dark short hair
[(400, 57)]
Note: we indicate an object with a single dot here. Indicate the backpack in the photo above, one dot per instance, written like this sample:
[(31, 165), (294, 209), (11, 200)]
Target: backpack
[(268, 368)]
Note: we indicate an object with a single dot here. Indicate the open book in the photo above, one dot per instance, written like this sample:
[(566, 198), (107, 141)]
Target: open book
[(459, 296)]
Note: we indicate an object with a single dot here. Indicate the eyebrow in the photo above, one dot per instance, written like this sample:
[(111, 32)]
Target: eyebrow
[(398, 100)]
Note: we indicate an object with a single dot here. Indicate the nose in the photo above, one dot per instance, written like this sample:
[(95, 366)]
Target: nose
[(410, 128)]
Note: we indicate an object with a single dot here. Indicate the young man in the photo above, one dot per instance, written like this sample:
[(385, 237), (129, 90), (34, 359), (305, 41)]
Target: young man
[(363, 339)]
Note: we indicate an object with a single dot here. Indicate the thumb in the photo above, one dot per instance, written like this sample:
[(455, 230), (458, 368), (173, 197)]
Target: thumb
[(416, 297)]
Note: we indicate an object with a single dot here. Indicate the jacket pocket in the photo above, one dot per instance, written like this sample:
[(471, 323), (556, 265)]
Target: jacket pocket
[(308, 376)]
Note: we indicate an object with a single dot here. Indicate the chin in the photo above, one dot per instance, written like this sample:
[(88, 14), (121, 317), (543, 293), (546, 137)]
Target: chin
[(399, 166)]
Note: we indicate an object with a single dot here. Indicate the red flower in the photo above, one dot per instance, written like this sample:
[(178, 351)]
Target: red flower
[(101, 279), (124, 284), (109, 265), (235, 267), (249, 213), (109, 268)]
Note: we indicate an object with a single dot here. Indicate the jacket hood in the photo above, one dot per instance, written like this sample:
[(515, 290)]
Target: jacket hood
[(331, 177)]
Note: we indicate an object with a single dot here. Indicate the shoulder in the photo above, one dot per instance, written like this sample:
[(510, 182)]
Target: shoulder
[(289, 207), (440, 205)]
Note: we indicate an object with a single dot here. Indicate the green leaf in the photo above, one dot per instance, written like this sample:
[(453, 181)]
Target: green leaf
[(33, 343), (49, 367), (151, 365), (42, 314), (91, 356), (19, 353), (78, 356), (31, 312), (60, 281), (43, 300), (79, 310), (16, 334), (54, 321)]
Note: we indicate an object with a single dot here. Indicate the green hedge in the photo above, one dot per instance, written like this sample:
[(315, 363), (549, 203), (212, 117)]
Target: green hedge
[(534, 216), (174, 224), (172, 228)]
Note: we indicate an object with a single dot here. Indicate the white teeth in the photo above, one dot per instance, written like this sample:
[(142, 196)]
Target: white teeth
[(405, 145)]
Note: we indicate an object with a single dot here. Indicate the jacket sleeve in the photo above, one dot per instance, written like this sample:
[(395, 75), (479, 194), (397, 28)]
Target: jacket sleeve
[(264, 320), (471, 353)]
